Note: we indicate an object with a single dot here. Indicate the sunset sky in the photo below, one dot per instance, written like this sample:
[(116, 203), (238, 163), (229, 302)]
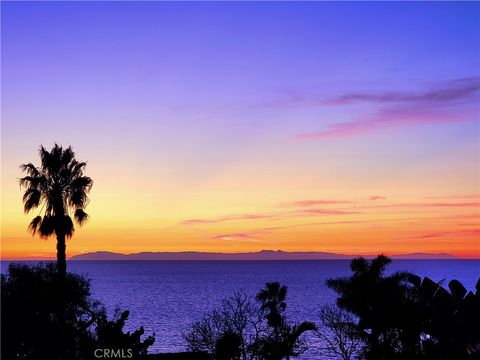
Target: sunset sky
[(338, 127)]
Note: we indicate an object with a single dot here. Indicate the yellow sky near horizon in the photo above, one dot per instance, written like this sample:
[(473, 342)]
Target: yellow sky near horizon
[(242, 221)]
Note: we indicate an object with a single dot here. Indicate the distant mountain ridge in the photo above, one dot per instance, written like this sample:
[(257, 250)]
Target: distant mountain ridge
[(260, 255)]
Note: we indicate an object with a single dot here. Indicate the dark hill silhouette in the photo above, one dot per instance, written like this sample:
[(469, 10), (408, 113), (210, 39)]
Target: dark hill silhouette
[(261, 255)]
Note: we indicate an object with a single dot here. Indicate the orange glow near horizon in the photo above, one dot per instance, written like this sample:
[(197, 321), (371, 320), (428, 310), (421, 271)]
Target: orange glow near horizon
[(365, 225), (232, 212)]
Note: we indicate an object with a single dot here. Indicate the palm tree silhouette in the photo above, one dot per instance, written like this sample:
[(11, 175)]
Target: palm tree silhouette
[(380, 302), (59, 185), (284, 341), (272, 299)]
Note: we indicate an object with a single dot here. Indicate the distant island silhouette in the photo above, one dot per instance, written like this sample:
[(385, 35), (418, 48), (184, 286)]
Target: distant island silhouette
[(260, 255)]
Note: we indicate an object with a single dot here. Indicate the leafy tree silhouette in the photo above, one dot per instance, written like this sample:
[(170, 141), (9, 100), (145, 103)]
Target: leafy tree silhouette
[(60, 186)]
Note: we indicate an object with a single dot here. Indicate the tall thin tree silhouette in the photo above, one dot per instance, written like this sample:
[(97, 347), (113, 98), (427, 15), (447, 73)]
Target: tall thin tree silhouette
[(60, 187)]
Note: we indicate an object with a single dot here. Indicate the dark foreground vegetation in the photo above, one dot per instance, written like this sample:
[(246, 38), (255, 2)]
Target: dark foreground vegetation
[(30, 300), (377, 317)]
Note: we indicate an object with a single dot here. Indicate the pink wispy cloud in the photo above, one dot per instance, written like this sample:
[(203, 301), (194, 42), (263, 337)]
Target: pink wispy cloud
[(473, 196), (376, 197), (443, 234), (421, 205), (383, 119), (255, 234), (446, 102), (278, 215), (245, 236), (326, 212), (307, 203), (226, 218)]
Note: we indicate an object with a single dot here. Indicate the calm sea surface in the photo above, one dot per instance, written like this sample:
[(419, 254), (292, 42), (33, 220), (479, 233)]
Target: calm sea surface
[(167, 296)]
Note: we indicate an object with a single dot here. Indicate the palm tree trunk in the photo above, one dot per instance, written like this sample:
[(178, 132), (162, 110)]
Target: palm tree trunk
[(61, 255), (62, 272)]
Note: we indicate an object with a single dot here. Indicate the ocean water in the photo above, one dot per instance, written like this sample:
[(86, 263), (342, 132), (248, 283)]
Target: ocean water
[(167, 296)]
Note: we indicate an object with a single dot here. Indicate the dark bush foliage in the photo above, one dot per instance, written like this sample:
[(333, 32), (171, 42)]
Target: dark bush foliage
[(404, 317), (30, 298)]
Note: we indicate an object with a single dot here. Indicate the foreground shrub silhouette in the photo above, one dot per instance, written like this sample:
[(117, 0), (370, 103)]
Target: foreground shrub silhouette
[(244, 329), (228, 347), (110, 335), (29, 300), (402, 317)]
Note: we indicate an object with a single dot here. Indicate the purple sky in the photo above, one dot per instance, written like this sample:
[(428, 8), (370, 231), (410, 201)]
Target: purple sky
[(242, 105)]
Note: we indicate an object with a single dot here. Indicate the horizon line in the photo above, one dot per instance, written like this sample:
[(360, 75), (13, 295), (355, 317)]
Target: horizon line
[(352, 255)]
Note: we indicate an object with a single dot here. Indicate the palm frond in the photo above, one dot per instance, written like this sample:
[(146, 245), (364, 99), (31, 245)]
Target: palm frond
[(67, 155), (457, 289), (47, 227), (67, 226), (359, 265), (339, 285), (299, 329), (78, 190), (27, 181), (35, 224), (44, 158), (415, 280), (31, 199), (78, 199), (81, 217), (81, 183), (30, 169), (377, 265), (77, 167), (401, 276)]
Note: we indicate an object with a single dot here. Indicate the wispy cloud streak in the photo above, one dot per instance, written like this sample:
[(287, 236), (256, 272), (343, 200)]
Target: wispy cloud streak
[(376, 197), (476, 196), (326, 212), (423, 205), (307, 203), (280, 215), (226, 218), (245, 236), (443, 234), (449, 92), (445, 103)]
